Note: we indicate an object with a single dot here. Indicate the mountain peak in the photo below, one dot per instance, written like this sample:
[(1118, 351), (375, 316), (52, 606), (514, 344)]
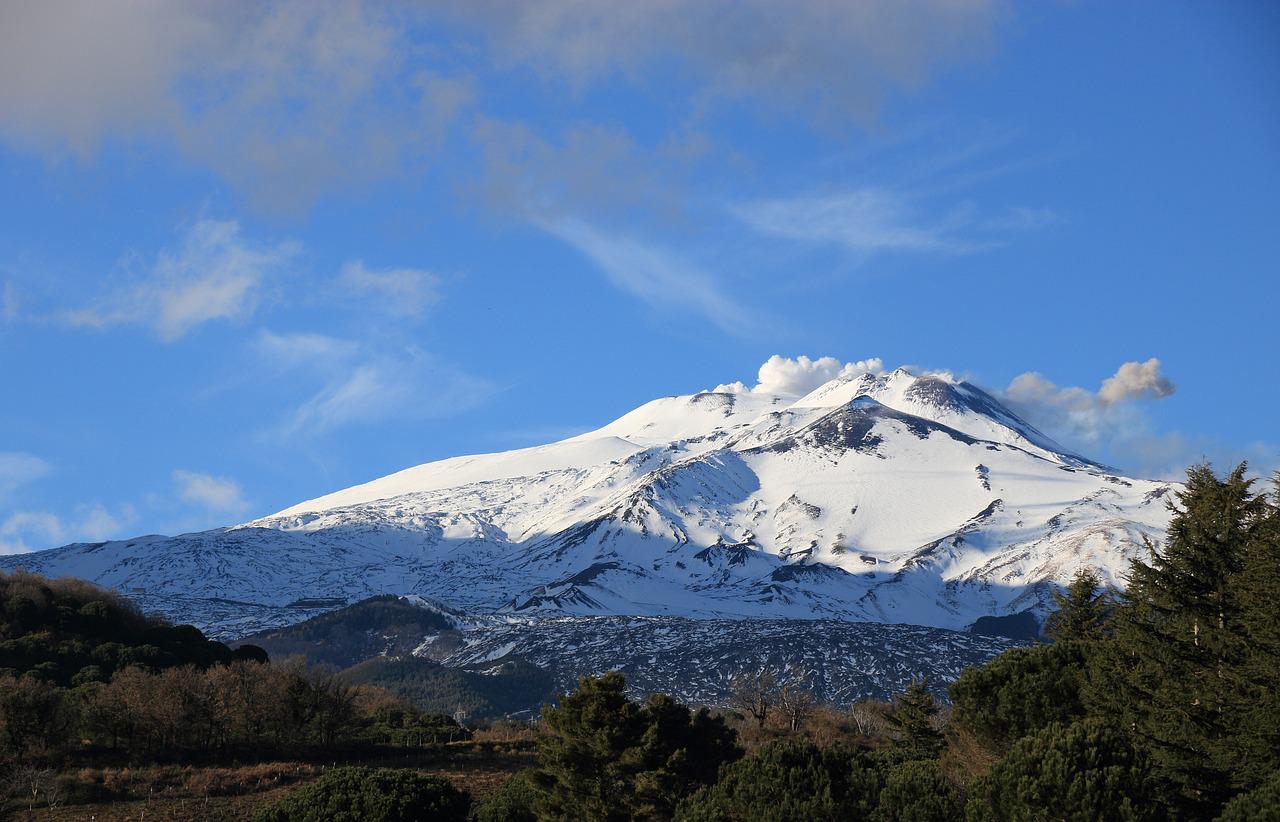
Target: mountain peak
[(883, 486)]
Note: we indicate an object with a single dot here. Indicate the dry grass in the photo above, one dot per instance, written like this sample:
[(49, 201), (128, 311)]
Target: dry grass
[(194, 792)]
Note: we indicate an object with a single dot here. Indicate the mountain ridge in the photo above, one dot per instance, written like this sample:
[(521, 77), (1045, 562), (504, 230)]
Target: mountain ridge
[(889, 497)]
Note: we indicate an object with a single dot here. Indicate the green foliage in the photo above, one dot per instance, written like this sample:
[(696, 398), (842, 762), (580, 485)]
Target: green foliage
[(605, 757), (514, 801), (371, 795), (1075, 773), (382, 625), (249, 653), (912, 722), (1020, 692), (514, 687), (1083, 613), (35, 717), (69, 631), (1255, 727), (917, 792), (1262, 804), (790, 780), (1173, 671)]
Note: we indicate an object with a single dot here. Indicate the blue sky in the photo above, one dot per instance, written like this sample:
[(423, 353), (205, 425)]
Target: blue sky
[(250, 255)]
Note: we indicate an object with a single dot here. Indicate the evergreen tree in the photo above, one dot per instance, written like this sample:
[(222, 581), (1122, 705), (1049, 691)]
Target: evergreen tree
[(911, 722), (1083, 772), (1020, 692), (917, 792), (1083, 611), (1262, 804), (787, 781), (604, 757), (1169, 672), (1256, 723)]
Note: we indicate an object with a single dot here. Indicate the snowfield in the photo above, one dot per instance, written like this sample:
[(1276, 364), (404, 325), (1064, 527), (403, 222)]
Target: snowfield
[(889, 498)]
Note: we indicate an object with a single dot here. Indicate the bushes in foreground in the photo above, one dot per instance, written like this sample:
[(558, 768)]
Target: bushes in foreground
[(1075, 773), (371, 795), (242, 709)]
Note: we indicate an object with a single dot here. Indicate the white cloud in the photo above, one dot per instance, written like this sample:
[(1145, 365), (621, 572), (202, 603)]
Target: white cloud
[(797, 376), (213, 274), (404, 291), (867, 220), (295, 99), (826, 58), (1136, 380), (316, 351), (24, 531), (1086, 418), (361, 382), (214, 494), (287, 100), (405, 386), (17, 468), (654, 275)]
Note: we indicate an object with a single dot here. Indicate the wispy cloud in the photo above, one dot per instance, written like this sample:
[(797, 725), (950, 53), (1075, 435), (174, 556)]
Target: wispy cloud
[(24, 531), (18, 468), (212, 274), (826, 59), (402, 291), (9, 301), (872, 220), (656, 276), (215, 495), (866, 220), (355, 383)]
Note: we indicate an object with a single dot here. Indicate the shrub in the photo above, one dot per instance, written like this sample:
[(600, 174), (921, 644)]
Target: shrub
[(1075, 773), (790, 780), (1019, 693), (514, 801), (371, 795), (1262, 804), (917, 792)]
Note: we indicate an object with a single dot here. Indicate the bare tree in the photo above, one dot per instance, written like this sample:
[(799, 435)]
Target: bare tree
[(795, 700), (868, 717), (754, 694), (35, 781)]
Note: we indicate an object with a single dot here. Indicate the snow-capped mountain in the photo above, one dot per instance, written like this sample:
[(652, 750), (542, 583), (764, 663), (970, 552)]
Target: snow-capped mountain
[(883, 498)]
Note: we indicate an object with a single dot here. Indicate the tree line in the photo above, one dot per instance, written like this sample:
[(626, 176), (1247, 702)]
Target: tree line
[(83, 673)]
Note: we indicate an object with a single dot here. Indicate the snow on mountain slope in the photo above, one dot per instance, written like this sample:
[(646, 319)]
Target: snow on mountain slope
[(886, 498), (458, 471)]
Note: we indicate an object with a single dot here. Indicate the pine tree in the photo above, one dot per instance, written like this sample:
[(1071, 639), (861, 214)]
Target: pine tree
[(1068, 773), (1020, 692), (1083, 611), (1256, 723), (581, 770), (604, 757), (911, 722), (790, 780), (1178, 641)]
